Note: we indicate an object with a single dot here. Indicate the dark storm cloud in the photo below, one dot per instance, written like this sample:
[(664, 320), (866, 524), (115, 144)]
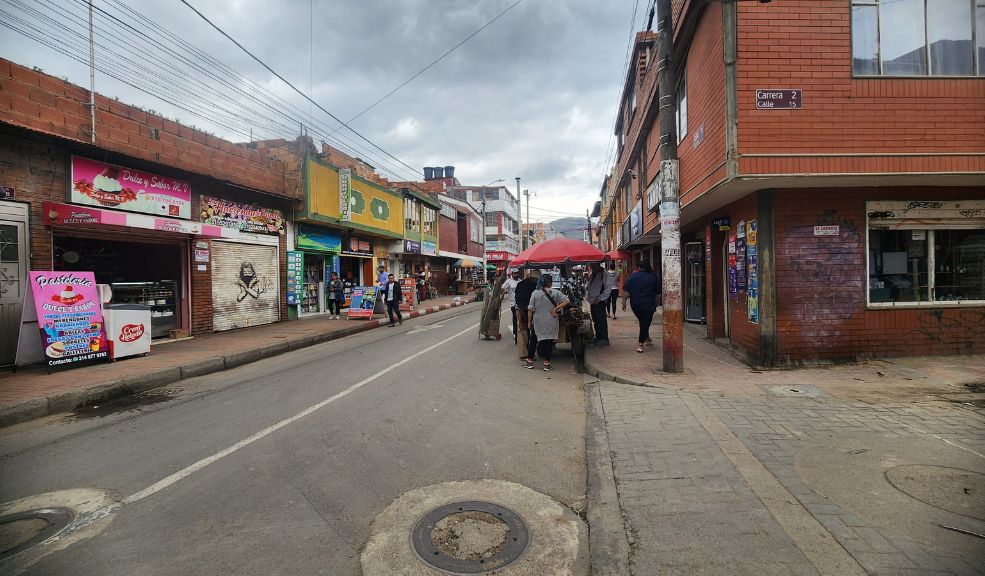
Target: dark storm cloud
[(532, 95)]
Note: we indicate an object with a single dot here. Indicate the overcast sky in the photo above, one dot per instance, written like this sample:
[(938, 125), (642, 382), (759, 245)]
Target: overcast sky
[(533, 95)]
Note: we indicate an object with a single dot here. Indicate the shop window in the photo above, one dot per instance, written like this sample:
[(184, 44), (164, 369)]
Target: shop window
[(918, 37), (926, 265)]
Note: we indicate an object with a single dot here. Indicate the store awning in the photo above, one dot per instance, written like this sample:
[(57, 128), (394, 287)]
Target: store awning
[(69, 215), (466, 263)]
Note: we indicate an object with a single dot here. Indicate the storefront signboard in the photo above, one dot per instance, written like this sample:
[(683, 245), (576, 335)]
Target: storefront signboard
[(295, 276), (740, 256), (111, 186), (827, 230), (355, 246), (636, 221), (363, 302), (732, 286), (7, 192), (56, 214), (722, 224), (68, 314), (412, 247), (429, 248), (752, 262), (408, 289), (243, 217), (345, 194), (496, 255), (318, 239), (201, 255)]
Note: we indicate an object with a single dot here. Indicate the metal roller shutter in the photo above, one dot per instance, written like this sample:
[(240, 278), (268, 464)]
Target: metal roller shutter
[(245, 285)]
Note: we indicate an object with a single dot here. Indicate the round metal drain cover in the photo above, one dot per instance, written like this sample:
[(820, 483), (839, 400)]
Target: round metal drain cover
[(20, 531), (951, 489), (470, 537)]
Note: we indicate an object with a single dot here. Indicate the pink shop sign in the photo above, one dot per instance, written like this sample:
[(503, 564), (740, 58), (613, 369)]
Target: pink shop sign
[(111, 186)]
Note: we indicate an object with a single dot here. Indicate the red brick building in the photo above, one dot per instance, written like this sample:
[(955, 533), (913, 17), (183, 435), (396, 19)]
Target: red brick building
[(832, 175), (206, 251)]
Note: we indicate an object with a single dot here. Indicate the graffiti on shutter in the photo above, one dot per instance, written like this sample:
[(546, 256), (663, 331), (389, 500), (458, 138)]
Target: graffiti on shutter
[(244, 285)]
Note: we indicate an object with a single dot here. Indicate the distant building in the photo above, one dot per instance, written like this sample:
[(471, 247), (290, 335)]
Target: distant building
[(502, 219), (539, 232)]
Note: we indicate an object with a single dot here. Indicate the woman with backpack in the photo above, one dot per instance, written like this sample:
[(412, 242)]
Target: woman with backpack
[(544, 309)]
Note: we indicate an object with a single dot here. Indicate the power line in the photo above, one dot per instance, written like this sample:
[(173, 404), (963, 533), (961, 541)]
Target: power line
[(439, 59), (303, 95)]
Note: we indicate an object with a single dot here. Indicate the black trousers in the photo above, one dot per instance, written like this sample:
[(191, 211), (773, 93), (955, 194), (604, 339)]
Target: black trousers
[(513, 310), (546, 349), (393, 308), (600, 321), (613, 297), (334, 305), (645, 317)]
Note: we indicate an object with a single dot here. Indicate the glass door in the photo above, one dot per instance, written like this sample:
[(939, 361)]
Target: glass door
[(695, 282)]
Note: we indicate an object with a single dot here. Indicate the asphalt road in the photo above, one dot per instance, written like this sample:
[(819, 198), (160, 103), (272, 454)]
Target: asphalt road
[(317, 443)]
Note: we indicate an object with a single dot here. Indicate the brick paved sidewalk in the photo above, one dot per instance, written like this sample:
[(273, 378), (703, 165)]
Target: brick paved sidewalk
[(31, 393), (728, 469)]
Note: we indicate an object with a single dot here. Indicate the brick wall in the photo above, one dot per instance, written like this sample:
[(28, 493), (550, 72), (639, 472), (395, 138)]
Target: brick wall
[(702, 151), (821, 284), (807, 44), (201, 289), (37, 101)]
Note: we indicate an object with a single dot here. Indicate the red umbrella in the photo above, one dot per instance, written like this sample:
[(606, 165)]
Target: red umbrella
[(558, 251), (618, 255)]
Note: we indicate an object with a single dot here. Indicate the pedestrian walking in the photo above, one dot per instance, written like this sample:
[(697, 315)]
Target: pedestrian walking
[(599, 289), (336, 295), (393, 299), (641, 289), (382, 278), (617, 278), (526, 341), (545, 306), (510, 287)]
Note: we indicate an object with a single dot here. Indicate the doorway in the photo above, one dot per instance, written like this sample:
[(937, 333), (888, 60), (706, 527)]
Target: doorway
[(694, 304), (13, 275)]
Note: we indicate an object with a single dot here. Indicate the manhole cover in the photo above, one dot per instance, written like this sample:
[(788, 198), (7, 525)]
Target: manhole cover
[(952, 489), (470, 537), (20, 531)]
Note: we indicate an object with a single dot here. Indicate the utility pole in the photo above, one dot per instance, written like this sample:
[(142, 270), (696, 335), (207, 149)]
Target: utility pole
[(484, 252), (92, 78), (670, 205), (523, 241)]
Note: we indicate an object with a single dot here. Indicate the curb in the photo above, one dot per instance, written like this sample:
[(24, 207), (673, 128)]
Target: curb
[(38, 407), (609, 543)]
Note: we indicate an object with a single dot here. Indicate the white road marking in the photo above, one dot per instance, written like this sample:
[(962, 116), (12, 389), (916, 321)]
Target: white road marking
[(191, 469), (425, 328)]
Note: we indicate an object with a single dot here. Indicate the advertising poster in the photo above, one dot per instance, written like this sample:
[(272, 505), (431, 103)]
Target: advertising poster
[(110, 186), (318, 239), (732, 286), (408, 288), (295, 276), (752, 263), (345, 194), (740, 257), (363, 302), (242, 217), (69, 316)]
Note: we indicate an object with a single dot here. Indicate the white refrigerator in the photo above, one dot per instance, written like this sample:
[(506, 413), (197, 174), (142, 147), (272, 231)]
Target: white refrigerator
[(127, 329)]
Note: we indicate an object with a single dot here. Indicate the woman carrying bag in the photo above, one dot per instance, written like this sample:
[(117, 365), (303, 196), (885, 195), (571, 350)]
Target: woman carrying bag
[(641, 289), (544, 309)]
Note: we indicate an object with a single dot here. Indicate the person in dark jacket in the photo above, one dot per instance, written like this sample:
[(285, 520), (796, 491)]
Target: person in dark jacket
[(641, 289), (526, 341), (336, 295), (391, 291)]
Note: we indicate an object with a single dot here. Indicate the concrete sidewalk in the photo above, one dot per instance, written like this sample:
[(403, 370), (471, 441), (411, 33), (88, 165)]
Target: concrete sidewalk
[(841, 469), (31, 393)]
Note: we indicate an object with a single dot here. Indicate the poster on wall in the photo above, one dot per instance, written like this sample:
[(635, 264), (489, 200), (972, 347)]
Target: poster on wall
[(752, 264), (732, 286), (65, 310), (740, 257), (111, 186), (242, 217), (363, 301), (295, 276), (318, 239)]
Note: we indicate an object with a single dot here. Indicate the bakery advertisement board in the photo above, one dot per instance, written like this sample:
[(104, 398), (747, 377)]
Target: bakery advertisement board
[(243, 217), (68, 315), (121, 188)]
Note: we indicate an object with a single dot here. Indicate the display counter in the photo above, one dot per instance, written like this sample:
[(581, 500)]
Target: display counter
[(161, 297)]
